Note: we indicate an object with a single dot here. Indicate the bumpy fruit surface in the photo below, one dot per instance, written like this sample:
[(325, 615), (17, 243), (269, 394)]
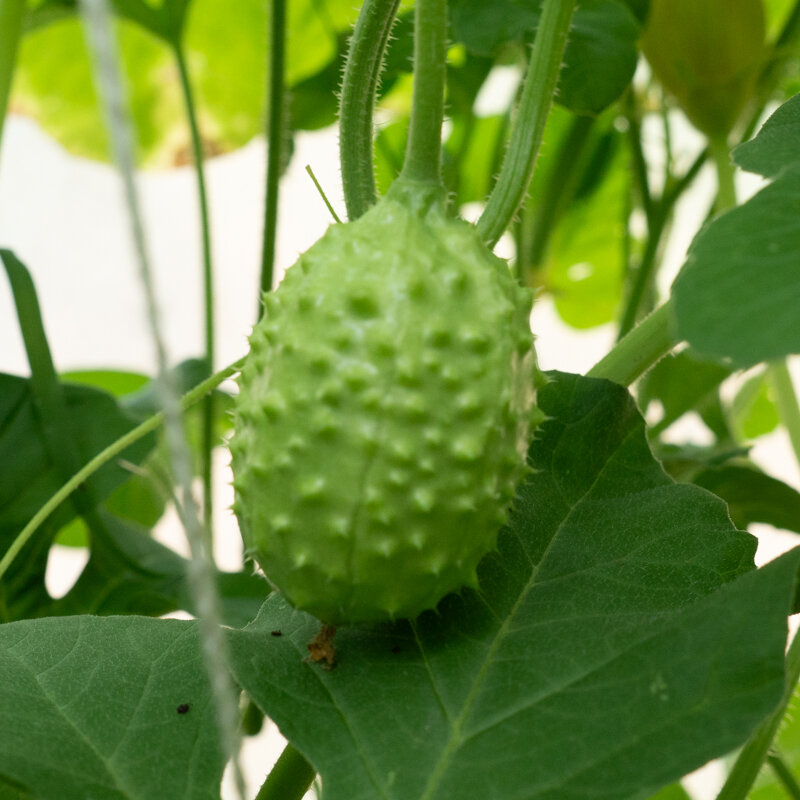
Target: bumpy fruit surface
[(384, 414), (707, 53)]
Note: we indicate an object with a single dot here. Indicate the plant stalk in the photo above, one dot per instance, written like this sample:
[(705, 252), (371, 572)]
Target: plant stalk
[(784, 775), (359, 90), (786, 400), (526, 135), (207, 445), (750, 759), (11, 14), (114, 449), (289, 779), (423, 160), (726, 186), (275, 125), (638, 350)]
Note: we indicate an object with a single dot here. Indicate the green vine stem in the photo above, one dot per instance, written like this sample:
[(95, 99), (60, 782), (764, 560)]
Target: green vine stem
[(751, 758), (526, 135), (114, 449), (423, 159), (784, 775), (357, 103), (786, 400), (208, 284), (11, 14), (726, 186), (289, 779), (275, 130), (636, 352)]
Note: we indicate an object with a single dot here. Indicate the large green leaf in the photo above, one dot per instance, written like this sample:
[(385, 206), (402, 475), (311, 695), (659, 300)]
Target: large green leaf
[(620, 638), (775, 146), (753, 496), (128, 572), (89, 709), (601, 53), (738, 293), (29, 476), (225, 47)]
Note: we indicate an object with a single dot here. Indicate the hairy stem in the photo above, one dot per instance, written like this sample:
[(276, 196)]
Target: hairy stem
[(752, 756), (359, 89), (526, 135), (289, 779), (116, 447), (208, 284), (423, 160), (11, 13), (636, 352), (275, 126)]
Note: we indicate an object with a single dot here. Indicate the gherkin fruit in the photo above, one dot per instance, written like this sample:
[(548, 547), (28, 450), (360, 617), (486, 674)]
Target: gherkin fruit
[(384, 414)]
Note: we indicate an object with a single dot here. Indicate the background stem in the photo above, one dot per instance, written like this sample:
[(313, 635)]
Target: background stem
[(114, 449), (289, 779), (784, 776), (207, 445), (526, 135), (359, 89), (726, 187), (423, 161), (750, 759), (11, 13), (786, 401), (275, 127), (636, 352)]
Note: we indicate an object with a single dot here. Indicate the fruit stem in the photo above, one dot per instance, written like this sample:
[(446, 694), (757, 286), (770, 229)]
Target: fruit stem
[(207, 444), (638, 350), (726, 187), (359, 89), (423, 158), (11, 14), (752, 755), (526, 135), (275, 125), (289, 779), (116, 447), (786, 400)]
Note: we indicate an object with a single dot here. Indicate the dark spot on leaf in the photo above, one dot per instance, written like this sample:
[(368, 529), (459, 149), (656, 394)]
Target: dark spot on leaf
[(276, 633), (183, 708), (396, 649)]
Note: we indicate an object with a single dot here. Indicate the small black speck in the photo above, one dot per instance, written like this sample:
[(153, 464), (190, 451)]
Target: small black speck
[(396, 649), (183, 708), (276, 633)]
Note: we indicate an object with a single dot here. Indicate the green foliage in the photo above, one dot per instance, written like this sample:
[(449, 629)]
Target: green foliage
[(618, 636), (588, 618), (717, 310), (601, 53), (107, 694)]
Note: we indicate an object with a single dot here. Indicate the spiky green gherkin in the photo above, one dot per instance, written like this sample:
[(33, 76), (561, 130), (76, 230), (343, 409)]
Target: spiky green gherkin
[(384, 414)]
